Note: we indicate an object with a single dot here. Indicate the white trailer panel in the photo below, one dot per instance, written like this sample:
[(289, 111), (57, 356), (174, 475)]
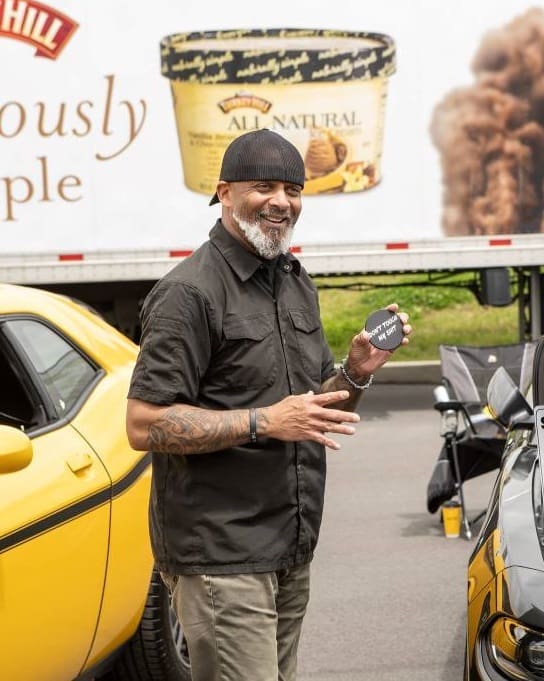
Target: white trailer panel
[(90, 164)]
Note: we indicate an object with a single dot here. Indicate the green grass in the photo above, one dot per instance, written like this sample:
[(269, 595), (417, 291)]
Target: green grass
[(448, 315)]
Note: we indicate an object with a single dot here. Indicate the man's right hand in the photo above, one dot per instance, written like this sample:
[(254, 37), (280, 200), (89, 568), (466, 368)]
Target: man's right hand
[(307, 417)]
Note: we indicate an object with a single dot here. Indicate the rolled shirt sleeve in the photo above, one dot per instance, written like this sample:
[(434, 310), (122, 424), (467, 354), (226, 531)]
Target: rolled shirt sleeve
[(175, 346)]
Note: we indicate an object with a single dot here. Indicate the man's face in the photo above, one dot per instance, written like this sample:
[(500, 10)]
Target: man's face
[(263, 214)]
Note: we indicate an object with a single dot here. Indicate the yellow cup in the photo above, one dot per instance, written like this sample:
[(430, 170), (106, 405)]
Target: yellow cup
[(451, 516)]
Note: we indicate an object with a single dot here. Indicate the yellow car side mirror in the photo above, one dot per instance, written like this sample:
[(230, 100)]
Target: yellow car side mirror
[(15, 450)]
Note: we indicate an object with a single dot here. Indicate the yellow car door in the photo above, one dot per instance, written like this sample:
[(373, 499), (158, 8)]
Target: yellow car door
[(54, 517), (54, 512)]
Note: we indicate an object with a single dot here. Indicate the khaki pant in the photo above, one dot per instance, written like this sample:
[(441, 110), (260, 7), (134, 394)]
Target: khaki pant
[(242, 627)]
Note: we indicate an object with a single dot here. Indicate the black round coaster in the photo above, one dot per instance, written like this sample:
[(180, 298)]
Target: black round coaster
[(385, 329)]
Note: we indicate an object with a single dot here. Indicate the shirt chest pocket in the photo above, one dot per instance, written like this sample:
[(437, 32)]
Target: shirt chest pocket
[(248, 353), (309, 340)]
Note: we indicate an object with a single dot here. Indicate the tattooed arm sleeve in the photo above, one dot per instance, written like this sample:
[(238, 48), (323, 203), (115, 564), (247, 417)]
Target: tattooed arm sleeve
[(183, 429)]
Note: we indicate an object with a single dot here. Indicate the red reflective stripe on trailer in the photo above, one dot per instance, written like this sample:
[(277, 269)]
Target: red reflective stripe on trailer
[(63, 257), (296, 249), (397, 246), (179, 254), (500, 242)]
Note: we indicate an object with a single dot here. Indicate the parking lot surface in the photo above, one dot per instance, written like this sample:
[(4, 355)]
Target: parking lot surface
[(388, 588)]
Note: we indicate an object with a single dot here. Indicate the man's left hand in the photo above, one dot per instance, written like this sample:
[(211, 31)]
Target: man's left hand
[(364, 359)]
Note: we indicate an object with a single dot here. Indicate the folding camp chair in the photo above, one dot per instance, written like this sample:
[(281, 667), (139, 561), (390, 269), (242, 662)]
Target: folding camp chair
[(473, 441)]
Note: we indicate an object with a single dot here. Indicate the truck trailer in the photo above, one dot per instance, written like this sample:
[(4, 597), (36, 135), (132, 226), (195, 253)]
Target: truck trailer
[(420, 125)]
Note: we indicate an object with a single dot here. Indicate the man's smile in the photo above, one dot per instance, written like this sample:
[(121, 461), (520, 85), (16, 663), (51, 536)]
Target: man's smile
[(276, 220)]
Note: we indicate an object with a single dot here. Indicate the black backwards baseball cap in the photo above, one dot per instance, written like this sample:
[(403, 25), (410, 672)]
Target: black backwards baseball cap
[(261, 155)]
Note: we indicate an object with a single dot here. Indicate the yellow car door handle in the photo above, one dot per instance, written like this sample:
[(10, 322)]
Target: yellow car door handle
[(77, 462)]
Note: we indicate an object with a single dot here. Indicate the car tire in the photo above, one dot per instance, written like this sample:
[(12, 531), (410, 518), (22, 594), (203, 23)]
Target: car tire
[(158, 650)]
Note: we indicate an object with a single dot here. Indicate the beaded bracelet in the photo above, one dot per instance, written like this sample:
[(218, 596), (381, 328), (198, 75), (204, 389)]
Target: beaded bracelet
[(351, 382)]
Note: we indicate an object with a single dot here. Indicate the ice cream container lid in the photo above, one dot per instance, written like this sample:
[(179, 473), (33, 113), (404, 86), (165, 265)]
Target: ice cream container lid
[(277, 55)]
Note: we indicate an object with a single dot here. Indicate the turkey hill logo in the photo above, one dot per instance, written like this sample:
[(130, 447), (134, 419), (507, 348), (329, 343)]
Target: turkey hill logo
[(244, 100), (41, 26)]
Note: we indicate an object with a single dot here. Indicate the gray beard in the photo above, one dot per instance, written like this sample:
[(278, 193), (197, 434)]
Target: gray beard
[(265, 246)]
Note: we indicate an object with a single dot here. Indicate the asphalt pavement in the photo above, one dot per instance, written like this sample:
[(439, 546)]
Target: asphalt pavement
[(388, 588)]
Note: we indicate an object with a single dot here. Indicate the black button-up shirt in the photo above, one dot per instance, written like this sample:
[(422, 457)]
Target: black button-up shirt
[(219, 333)]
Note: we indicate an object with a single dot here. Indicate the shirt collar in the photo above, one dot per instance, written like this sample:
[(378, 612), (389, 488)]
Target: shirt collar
[(244, 262)]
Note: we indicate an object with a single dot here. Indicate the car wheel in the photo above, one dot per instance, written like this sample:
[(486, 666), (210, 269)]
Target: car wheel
[(158, 650)]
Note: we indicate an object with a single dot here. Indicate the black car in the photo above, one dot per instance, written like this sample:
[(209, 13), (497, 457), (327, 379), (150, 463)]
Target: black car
[(505, 614)]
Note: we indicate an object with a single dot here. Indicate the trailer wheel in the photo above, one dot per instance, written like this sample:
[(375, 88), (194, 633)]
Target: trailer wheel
[(158, 650)]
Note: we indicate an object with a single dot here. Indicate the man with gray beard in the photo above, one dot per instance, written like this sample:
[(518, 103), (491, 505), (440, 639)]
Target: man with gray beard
[(236, 394)]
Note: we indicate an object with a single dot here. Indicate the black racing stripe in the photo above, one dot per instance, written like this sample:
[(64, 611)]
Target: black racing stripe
[(76, 509), (130, 478), (58, 518)]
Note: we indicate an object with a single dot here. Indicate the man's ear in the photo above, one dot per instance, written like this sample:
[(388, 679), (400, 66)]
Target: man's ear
[(224, 193)]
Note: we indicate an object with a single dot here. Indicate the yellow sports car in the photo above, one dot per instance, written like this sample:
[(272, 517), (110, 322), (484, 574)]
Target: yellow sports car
[(79, 596)]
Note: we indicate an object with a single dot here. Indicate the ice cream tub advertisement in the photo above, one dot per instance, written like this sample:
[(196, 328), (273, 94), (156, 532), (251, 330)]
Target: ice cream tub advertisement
[(416, 121), (225, 83)]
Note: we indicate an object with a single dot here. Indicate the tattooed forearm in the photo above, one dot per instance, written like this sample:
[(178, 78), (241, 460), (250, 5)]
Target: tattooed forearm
[(189, 430), (262, 421)]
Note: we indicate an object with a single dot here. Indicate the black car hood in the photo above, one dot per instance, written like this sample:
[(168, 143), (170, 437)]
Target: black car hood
[(523, 595), (511, 509), (510, 538), (516, 517)]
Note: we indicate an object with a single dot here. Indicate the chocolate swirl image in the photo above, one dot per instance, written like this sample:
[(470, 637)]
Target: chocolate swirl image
[(491, 136)]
